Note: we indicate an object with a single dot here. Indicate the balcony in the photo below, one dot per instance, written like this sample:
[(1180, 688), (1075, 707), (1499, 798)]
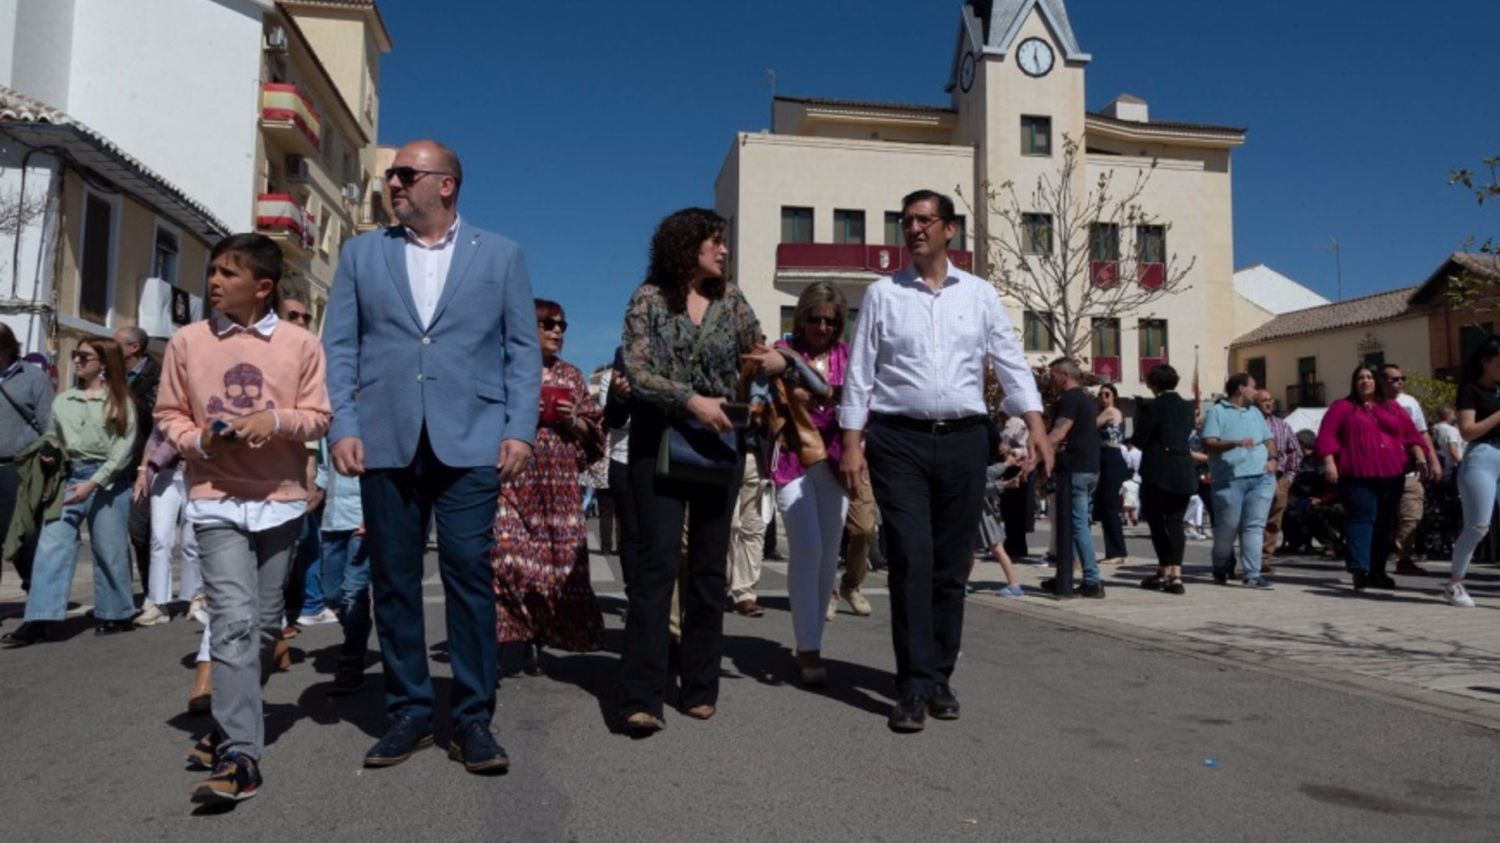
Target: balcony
[(1149, 363), (1153, 275), (289, 119), (853, 258), (1104, 274), (1107, 369), (281, 218), (1307, 394)]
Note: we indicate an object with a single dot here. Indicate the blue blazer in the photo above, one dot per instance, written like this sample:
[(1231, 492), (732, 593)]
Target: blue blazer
[(472, 377)]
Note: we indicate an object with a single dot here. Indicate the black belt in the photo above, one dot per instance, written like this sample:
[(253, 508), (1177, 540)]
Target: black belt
[(936, 427)]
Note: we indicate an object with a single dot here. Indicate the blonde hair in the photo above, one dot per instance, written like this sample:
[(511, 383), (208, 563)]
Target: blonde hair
[(816, 295)]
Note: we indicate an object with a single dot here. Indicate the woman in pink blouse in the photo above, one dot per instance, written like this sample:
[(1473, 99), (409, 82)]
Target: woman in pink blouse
[(1364, 441)]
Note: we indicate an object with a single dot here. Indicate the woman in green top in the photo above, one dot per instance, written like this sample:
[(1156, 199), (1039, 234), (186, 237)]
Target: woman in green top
[(686, 332), (94, 425)]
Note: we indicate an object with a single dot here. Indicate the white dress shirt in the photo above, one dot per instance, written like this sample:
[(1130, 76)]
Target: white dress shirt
[(921, 354), (427, 270), (251, 516)]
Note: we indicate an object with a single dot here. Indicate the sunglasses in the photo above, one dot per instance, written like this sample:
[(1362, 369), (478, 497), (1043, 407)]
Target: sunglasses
[(298, 316), (408, 175), (823, 321), (549, 324), (1389, 379), (83, 357)]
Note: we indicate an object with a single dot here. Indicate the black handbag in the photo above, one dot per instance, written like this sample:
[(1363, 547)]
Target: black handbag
[(692, 453)]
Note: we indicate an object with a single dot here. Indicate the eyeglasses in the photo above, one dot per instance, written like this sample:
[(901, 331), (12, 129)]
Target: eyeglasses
[(550, 324), (298, 316), (408, 175), (823, 321), (83, 357), (922, 220)]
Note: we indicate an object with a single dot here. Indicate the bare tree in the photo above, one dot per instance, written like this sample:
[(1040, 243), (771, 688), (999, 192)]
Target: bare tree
[(1080, 258), (1469, 290), (17, 211)]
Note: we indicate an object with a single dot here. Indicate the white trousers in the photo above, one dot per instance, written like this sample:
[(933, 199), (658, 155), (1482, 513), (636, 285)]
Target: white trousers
[(1194, 514), (168, 500), (812, 510)]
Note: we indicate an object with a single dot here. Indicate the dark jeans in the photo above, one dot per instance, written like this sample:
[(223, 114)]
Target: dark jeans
[(10, 481), (1371, 506), (1015, 512), (1163, 512), (652, 572), (140, 533), (930, 489), (1112, 472), (399, 503), (626, 513)]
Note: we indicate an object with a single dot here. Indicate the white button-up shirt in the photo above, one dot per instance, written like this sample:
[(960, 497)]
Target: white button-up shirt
[(921, 354), (427, 270)]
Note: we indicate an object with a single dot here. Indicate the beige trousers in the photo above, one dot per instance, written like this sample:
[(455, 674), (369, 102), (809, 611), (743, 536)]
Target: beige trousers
[(1408, 517), (747, 535), (861, 525), (1273, 520)]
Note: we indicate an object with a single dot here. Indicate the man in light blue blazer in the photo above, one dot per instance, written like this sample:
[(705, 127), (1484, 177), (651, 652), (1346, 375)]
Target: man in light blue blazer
[(434, 371)]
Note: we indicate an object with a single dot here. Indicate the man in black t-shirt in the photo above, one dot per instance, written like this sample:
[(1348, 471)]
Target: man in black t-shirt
[(1075, 435)]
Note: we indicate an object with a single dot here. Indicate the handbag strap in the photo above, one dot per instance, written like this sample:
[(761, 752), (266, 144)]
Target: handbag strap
[(29, 417)]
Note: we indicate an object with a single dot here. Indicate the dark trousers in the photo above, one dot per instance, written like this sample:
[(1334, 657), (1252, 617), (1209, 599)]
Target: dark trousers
[(651, 574), (1112, 471), (140, 532), (399, 503), (1371, 507), (1163, 512), (626, 515), (930, 489), (1015, 512), (10, 481)]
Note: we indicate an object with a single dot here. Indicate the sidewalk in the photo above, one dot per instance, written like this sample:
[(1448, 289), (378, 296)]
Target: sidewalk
[(1313, 623)]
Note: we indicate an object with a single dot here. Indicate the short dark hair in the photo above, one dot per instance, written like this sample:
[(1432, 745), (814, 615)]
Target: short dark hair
[(944, 203), (548, 309), (1235, 382), (1307, 439), (257, 253), (10, 349), (1162, 378)]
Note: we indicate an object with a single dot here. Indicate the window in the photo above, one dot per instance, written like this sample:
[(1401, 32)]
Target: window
[(1255, 367), (1036, 234), (164, 255), (1375, 360), (1104, 241), (1036, 331), (848, 226), (96, 266), (893, 235), (1036, 135), (1153, 338), (1151, 243), (796, 225), (1106, 338), (960, 239)]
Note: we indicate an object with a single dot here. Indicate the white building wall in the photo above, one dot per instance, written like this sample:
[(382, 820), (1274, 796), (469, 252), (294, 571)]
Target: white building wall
[(175, 83), (27, 255), (40, 44)]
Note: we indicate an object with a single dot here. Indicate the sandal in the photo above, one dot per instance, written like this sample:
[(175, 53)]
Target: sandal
[(1174, 586), (1155, 582)]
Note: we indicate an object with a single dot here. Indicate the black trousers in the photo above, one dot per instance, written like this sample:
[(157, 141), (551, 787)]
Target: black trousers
[(930, 489), (1015, 506), (651, 574), (1163, 512), (627, 515), (1112, 471), (10, 481), (140, 533)]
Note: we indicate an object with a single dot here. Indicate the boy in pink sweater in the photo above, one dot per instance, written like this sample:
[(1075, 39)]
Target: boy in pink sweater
[(240, 394)]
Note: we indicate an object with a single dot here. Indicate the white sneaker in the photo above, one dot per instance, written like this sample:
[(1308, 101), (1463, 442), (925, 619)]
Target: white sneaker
[(1457, 596), (198, 609), (325, 616), (152, 615)]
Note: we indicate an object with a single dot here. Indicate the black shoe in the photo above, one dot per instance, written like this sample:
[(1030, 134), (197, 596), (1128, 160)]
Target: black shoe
[(1381, 580), (1155, 582), (1221, 577), (405, 737), (476, 748), (1174, 586), (348, 678), (531, 659), (1049, 585), (28, 633), (908, 715), (1092, 589), (112, 627), (943, 703), (1361, 579)]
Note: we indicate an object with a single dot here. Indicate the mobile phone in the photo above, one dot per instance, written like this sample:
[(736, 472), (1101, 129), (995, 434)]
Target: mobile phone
[(1010, 473), (222, 429), (738, 414)]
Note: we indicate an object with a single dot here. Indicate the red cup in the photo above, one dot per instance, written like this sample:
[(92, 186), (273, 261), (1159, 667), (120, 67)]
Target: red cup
[(550, 396)]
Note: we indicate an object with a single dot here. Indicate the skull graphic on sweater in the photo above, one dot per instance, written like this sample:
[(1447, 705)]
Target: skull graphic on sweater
[(244, 387)]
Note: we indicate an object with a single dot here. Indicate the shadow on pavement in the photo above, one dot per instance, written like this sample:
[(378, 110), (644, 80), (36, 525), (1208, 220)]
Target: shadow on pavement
[(770, 663)]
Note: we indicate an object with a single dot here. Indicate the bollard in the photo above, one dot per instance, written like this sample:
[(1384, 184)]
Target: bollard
[(1062, 528)]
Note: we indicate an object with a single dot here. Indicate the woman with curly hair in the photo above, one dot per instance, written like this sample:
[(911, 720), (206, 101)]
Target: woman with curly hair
[(686, 329), (542, 591)]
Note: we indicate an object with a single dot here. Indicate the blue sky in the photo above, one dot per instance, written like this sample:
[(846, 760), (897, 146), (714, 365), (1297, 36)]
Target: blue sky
[(581, 124)]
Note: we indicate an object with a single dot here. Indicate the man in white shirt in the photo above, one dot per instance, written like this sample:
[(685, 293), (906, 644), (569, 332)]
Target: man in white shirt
[(1449, 443), (913, 404), (1393, 384)]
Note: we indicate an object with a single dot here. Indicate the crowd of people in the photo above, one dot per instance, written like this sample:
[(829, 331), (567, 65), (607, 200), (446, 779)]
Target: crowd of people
[(293, 481)]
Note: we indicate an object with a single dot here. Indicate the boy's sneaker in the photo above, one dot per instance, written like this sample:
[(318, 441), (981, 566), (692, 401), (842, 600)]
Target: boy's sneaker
[(236, 777), (1457, 595), (201, 756), (325, 616), (1257, 582)]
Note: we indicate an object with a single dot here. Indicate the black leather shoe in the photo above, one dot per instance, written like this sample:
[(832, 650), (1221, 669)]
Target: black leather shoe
[(476, 748), (908, 715), (406, 736), (1381, 580), (1093, 590), (112, 627), (348, 678), (28, 633), (1361, 579), (943, 704)]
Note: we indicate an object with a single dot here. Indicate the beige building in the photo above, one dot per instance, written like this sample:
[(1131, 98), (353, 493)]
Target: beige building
[(817, 196)]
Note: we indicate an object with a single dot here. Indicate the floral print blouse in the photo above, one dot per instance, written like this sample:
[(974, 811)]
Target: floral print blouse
[(668, 359)]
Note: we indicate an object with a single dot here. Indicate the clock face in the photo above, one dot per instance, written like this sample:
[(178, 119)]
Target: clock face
[(966, 72), (1035, 57)]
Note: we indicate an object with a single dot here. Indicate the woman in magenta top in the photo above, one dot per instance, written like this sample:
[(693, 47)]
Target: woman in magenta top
[(811, 499), (1364, 442)]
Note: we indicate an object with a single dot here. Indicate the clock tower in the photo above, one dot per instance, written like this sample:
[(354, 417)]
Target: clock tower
[(1017, 82)]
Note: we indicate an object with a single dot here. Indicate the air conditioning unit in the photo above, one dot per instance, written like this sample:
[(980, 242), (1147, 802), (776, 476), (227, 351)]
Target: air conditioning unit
[(276, 39), (298, 170), (352, 192)]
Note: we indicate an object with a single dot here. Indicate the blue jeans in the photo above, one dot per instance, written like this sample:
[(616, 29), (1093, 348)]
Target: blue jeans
[(346, 584), (1081, 491), (108, 513), (1241, 506), (1371, 508), (1478, 480), (304, 586)]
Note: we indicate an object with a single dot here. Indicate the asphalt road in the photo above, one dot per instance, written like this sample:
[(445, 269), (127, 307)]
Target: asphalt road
[(1065, 735)]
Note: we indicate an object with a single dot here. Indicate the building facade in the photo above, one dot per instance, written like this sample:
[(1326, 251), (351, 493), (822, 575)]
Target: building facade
[(817, 196)]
